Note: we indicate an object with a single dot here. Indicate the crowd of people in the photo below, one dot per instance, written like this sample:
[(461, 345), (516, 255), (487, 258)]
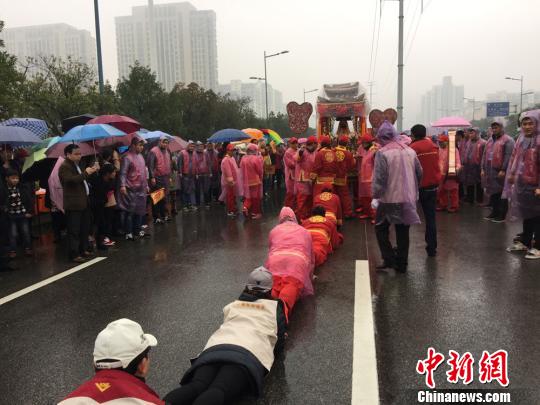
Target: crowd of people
[(116, 193), (401, 172), (384, 182)]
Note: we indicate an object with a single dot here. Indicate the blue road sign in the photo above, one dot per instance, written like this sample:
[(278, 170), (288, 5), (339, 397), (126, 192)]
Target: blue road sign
[(500, 109)]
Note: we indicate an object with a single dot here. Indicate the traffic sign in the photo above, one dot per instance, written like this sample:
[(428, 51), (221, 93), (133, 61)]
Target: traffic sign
[(499, 109)]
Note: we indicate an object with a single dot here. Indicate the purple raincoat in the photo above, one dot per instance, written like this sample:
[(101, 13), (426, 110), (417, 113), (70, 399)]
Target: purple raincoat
[(133, 177), (396, 177), (524, 166)]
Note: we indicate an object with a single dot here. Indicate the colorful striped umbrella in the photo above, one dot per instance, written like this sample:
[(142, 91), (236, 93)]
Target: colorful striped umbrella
[(272, 135)]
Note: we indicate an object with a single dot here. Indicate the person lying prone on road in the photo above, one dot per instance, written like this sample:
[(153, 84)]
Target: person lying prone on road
[(241, 352), (290, 260)]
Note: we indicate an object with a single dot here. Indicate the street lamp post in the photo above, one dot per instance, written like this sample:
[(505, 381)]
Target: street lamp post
[(98, 46), (266, 78), (309, 91), (521, 91), (473, 105)]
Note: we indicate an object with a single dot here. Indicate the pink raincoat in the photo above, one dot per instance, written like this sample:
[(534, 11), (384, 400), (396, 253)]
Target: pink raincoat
[(302, 172), (365, 176), (55, 187), (448, 183), (289, 163), (230, 171), (251, 168), (290, 252)]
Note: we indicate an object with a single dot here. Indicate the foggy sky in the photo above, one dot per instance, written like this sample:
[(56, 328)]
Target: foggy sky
[(478, 42)]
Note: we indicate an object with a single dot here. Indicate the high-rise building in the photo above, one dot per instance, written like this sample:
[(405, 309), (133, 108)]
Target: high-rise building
[(182, 49), (442, 100), (58, 40), (255, 92)]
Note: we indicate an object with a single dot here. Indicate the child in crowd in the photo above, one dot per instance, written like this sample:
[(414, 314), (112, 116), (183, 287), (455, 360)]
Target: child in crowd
[(103, 204), (17, 201)]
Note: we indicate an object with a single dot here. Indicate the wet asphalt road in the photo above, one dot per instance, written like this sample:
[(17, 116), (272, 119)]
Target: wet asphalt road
[(472, 297)]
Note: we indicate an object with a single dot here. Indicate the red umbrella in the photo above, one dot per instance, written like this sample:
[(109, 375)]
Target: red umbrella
[(121, 122)]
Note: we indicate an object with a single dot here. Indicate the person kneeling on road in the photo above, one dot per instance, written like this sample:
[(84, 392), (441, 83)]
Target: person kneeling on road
[(241, 352), (121, 362)]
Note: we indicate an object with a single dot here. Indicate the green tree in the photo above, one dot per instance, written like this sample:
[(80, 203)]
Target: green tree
[(10, 81), (57, 89), (141, 97)]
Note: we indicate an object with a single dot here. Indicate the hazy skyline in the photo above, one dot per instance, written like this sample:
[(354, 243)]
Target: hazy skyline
[(477, 42)]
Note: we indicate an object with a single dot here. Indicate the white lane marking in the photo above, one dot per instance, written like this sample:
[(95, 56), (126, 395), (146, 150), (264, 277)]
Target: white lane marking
[(49, 280), (365, 384)]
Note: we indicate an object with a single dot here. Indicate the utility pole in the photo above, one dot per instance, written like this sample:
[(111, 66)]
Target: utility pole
[(98, 46), (152, 38), (370, 84), (265, 88), (400, 68)]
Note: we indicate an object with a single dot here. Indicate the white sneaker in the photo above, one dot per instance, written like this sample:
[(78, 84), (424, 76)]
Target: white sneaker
[(533, 254), (517, 247), (129, 236)]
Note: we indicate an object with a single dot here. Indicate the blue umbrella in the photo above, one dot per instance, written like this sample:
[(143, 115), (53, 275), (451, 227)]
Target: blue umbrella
[(228, 135), (17, 136), (91, 132), (147, 136), (38, 127)]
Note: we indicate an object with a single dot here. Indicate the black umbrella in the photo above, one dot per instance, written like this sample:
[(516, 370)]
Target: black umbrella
[(72, 122)]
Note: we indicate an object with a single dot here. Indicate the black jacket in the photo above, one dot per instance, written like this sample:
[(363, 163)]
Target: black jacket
[(27, 197)]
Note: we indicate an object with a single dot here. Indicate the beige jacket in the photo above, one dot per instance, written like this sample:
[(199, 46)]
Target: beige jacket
[(251, 325)]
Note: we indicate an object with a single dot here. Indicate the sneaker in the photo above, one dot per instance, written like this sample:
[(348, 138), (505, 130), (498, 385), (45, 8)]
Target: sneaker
[(185, 209), (129, 236), (78, 259), (193, 208), (497, 220), (517, 247), (158, 221), (231, 214), (107, 242), (143, 227), (143, 234), (207, 206), (167, 218), (533, 254)]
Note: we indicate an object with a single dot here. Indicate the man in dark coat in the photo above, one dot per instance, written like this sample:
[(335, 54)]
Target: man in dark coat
[(76, 191)]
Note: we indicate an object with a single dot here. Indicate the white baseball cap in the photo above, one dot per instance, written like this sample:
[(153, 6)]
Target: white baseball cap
[(260, 279), (121, 340)]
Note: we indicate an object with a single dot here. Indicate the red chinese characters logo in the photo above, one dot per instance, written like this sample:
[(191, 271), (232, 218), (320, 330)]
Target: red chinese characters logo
[(429, 365), (494, 367), (461, 368), (491, 367)]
